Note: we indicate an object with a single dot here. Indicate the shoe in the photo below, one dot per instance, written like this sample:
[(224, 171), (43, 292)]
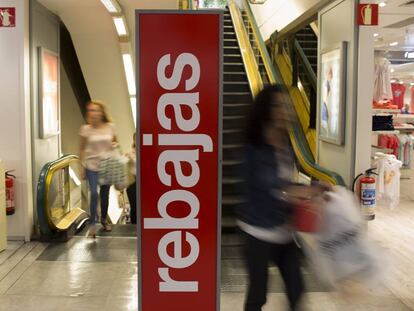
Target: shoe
[(92, 232), (107, 228)]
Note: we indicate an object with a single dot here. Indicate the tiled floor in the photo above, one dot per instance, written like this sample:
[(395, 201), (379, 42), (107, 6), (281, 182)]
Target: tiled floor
[(83, 274)]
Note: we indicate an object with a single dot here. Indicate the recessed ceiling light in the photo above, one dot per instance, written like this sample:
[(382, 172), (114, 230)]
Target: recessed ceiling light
[(120, 26), (392, 70), (376, 35), (129, 72), (394, 43), (112, 6), (382, 4)]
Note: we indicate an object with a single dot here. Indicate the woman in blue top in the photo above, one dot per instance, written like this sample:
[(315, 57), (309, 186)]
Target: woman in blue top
[(267, 170)]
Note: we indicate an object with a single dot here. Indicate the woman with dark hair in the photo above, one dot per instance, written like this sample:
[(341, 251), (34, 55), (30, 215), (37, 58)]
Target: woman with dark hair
[(267, 169)]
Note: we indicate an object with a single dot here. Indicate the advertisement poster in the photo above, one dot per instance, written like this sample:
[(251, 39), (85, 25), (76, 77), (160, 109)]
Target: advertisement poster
[(331, 99), (179, 84), (48, 93)]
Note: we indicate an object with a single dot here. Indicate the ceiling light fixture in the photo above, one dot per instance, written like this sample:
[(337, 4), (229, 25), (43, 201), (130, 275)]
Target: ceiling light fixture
[(382, 4), (129, 72), (133, 100), (112, 6), (376, 35), (394, 43), (120, 26)]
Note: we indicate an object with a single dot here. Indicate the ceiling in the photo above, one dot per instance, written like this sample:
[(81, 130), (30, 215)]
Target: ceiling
[(396, 24), (99, 52)]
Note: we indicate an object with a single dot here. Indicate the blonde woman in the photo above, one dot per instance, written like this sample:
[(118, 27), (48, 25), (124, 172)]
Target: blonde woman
[(97, 139)]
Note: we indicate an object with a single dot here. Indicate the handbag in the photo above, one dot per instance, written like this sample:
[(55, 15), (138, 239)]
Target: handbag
[(113, 170)]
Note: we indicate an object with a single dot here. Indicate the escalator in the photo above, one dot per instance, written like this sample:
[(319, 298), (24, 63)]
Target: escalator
[(62, 198), (247, 68)]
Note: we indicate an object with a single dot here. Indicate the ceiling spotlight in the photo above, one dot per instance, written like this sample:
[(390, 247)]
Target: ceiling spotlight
[(376, 35), (382, 4), (112, 6), (392, 70), (394, 43)]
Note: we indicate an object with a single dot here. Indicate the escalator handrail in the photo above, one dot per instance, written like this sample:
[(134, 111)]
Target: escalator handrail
[(305, 61), (249, 60), (296, 134), (43, 186)]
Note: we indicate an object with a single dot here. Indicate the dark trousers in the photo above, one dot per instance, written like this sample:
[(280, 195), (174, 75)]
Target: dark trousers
[(132, 198), (258, 255)]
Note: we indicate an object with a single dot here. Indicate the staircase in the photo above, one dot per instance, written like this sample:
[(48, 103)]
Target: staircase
[(236, 101)]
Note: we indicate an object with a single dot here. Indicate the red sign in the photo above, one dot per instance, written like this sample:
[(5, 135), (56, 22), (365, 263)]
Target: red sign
[(7, 17), (179, 92), (368, 14)]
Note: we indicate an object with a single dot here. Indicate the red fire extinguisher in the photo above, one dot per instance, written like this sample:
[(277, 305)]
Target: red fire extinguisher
[(10, 205), (365, 187)]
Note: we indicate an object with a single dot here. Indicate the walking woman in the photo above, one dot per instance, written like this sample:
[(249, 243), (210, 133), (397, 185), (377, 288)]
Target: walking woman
[(131, 190), (264, 221), (97, 139)]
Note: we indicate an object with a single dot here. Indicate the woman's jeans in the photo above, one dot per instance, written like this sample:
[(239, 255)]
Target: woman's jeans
[(93, 177)]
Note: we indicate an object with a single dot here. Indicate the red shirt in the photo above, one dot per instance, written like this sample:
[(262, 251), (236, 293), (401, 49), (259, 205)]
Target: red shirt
[(398, 92)]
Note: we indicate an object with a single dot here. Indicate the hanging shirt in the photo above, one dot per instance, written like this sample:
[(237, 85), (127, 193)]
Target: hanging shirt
[(388, 181), (412, 100), (398, 93), (389, 142), (382, 85)]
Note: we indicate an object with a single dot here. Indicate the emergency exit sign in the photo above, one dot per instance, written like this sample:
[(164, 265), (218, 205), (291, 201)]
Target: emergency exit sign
[(7, 17)]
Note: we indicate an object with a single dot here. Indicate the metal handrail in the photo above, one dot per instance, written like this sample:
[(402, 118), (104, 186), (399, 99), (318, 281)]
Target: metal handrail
[(47, 226), (308, 67), (297, 137)]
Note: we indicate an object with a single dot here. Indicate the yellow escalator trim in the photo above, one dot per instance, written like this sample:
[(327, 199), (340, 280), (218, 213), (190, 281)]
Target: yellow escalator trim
[(69, 217), (301, 105), (249, 60)]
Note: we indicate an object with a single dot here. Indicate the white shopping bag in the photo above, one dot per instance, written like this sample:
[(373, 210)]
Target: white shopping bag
[(343, 250)]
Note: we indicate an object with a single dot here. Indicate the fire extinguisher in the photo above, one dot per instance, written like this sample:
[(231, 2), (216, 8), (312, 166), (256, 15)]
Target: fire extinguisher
[(10, 205), (367, 15), (365, 187)]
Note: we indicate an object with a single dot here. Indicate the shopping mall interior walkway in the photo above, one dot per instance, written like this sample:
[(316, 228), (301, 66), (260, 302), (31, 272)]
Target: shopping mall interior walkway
[(101, 274)]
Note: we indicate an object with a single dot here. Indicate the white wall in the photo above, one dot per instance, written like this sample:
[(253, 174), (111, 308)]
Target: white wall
[(15, 138), (337, 24), (277, 14)]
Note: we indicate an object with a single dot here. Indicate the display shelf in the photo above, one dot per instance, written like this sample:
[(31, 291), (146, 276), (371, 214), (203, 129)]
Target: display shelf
[(404, 116), (390, 132), (386, 111), (402, 128)]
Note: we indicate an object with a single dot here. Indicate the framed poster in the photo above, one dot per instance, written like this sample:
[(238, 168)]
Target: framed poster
[(179, 113), (49, 97), (332, 94)]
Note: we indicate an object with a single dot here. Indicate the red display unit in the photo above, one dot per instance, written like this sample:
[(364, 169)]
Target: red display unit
[(179, 83)]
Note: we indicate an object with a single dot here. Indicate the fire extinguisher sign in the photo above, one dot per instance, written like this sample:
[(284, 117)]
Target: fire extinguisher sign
[(179, 70), (368, 14)]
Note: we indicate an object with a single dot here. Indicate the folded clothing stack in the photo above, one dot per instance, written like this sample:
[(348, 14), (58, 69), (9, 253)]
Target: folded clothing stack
[(382, 123)]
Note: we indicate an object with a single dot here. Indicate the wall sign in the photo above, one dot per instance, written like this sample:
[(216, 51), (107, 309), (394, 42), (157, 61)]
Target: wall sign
[(7, 17), (49, 97), (368, 14), (332, 94), (179, 69)]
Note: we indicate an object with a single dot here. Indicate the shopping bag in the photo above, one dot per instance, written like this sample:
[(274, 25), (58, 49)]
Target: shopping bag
[(307, 216), (343, 250), (113, 170)]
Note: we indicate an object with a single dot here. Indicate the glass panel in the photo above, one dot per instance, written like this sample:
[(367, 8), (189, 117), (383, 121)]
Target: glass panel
[(212, 4), (65, 192)]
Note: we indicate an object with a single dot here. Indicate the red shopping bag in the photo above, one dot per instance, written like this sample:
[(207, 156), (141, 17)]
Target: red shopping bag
[(307, 216)]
